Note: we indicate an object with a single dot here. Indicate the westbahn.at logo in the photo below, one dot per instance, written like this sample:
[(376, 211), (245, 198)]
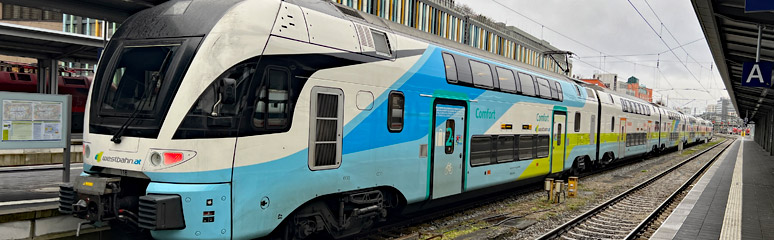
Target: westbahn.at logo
[(100, 157)]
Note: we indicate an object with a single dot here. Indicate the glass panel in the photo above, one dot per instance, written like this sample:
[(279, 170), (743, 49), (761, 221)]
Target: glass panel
[(543, 88), (526, 145), (137, 78), (482, 74), (505, 150), (543, 145), (449, 138), (396, 111), (507, 80), (278, 98), (451, 67), (527, 84), (480, 150)]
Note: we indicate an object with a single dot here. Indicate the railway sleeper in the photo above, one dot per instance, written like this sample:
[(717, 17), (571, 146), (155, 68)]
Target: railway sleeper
[(606, 229), (614, 219), (587, 234), (596, 223)]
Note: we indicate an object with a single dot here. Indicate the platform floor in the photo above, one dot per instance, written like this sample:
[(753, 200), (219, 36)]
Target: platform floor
[(733, 200)]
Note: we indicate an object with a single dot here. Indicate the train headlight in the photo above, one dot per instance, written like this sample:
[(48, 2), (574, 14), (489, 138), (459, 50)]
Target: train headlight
[(86, 151), (155, 158)]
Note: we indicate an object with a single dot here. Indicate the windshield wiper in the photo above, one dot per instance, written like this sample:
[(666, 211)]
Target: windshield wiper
[(145, 96)]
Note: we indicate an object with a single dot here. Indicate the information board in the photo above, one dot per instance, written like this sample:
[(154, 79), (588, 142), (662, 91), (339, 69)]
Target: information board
[(32, 120)]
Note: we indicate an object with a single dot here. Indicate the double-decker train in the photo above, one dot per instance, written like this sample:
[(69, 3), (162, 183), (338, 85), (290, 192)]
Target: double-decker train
[(246, 119)]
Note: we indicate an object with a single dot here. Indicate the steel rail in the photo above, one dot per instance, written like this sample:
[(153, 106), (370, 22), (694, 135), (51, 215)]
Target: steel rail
[(558, 231)]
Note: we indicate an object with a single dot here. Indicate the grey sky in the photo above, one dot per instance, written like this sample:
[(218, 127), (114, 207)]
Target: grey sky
[(615, 28)]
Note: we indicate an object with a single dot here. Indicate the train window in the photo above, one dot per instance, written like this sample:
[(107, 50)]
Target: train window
[(543, 88), (577, 89), (623, 106), (559, 135), (449, 138), (451, 68), (24, 77), (480, 150), (507, 79), (395, 111), (527, 84), (591, 95), (482, 74), (543, 146), (271, 108), (577, 121), (135, 83), (326, 123), (381, 43), (526, 147), (612, 124), (593, 127), (554, 93), (559, 91), (506, 148), (611, 98), (13, 76), (658, 126)]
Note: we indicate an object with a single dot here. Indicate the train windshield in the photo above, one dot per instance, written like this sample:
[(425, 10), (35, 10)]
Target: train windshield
[(136, 80)]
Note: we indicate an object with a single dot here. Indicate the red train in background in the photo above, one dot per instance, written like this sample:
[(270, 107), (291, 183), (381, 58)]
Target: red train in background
[(22, 77)]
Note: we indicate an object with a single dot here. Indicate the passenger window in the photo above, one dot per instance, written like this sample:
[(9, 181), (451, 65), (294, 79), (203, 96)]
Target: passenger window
[(543, 88), (611, 99), (451, 68), (526, 144), (482, 74), (527, 84), (559, 91), (591, 95), (506, 148), (395, 112), (480, 150), (272, 99), (543, 145), (507, 80), (554, 93), (577, 89), (449, 138), (612, 124), (577, 121), (559, 135)]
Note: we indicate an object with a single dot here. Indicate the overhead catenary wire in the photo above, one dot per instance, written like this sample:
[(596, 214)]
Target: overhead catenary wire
[(667, 45)]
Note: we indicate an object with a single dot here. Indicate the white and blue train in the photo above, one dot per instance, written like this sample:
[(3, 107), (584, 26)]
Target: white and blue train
[(251, 118)]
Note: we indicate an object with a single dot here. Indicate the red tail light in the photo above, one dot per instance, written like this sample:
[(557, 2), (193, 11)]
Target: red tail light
[(172, 157)]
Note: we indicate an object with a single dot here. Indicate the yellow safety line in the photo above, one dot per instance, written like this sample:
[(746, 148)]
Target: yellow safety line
[(732, 220)]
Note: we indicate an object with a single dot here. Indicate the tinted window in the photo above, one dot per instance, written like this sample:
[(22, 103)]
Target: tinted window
[(554, 93), (395, 112), (507, 80), (527, 84), (544, 89), (449, 137), (271, 108), (451, 67), (480, 150), (612, 124), (505, 148), (577, 89), (577, 121), (543, 144), (559, 91), (526, 144), (591, 95), (482, 74)]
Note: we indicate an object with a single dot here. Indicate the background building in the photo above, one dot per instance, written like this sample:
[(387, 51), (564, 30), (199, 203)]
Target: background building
[(458, 23), (30, 17), (608, 79)]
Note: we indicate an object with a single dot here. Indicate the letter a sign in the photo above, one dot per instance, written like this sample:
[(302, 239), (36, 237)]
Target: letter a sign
[(757, 74)]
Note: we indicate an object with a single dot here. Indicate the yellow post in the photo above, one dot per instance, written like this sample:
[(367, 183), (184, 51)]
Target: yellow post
[(572, 186)]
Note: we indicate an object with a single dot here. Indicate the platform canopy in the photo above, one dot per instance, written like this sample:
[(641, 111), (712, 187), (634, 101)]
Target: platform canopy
[(23, 41), (732, 35), (110, 10)]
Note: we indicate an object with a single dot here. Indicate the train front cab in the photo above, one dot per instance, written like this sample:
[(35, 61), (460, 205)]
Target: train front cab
[(155, 158)]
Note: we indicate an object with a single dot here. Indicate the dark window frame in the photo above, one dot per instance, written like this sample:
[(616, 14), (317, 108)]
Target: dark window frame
[(454, 66), (389, 112), (474, 161), (491, 76), (560, 92), (577, 121)]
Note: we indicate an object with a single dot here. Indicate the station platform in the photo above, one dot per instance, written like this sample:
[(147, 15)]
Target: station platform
[(733, 200)]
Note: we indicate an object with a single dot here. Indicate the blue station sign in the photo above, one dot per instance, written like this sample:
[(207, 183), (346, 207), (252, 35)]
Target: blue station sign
[(757, 74), (758, 5)]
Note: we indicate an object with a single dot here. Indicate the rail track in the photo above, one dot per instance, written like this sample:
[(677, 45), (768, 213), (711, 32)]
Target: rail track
[(629, 214), (398, 228)]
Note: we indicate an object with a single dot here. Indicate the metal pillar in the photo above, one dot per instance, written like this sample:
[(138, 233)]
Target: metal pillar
[(53, 76), (42, 75)]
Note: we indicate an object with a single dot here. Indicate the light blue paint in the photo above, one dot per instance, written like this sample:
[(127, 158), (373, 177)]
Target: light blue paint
[(193, 198)]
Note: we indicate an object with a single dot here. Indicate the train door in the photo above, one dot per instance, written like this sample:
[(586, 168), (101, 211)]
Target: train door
[(622, 139), (647, 136), (448, 156), (558, 143)]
